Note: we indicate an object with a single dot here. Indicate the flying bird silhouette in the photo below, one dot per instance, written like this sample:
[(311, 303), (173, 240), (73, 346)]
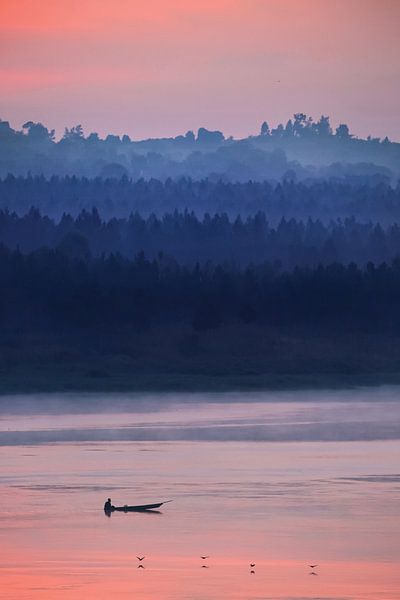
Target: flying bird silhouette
[(312, 566), (140, 558), (140, 566), (252, 564), (204, 557)]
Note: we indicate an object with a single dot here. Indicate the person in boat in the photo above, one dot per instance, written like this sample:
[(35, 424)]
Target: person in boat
[(108, 506)]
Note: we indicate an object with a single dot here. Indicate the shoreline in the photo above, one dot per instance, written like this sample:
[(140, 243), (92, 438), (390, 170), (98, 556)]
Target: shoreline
[(61, 381)]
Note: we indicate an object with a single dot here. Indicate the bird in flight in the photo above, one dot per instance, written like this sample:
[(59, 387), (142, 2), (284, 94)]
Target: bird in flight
[(312, 566), (252, 564), (204, 557), (140, 558), (140, 566), (252, 572)]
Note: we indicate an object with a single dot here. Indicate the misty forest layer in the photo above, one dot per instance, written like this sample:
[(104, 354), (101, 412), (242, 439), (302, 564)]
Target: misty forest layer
[(301, 149), (365, 199), (46, 289), (198, 260), (183, 238)]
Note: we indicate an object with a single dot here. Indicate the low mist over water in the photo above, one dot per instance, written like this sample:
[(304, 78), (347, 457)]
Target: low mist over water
[(362, 414)]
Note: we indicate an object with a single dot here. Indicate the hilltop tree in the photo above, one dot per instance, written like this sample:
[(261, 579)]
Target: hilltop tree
[(323, 127), (279, 131), (301, 122), (342, 132), (38, 132), (289, 128), (75, 133), (265, 129), (189, 136), (6, 131), (209, 137)]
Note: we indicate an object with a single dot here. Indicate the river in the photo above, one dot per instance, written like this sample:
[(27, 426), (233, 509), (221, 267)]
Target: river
[(282, 480)]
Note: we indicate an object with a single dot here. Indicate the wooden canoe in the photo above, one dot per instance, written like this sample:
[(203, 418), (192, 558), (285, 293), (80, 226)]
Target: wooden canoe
[(138, 508)]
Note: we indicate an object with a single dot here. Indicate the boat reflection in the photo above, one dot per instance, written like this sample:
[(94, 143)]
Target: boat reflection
[(108, 513)]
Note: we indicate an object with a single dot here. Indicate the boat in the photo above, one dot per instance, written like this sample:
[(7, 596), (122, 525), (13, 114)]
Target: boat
[(138, 508)]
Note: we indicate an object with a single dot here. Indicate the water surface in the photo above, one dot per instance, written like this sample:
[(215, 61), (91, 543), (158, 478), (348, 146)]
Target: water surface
[(283, 480)]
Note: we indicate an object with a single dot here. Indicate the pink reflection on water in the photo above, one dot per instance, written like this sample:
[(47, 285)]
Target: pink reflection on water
[(178, 577), (282, 506)]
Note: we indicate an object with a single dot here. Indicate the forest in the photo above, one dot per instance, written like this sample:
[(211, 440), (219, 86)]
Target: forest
[(301, 148), (365, 198), (48, 290), (198, 261), (115, 323), (182, 238)]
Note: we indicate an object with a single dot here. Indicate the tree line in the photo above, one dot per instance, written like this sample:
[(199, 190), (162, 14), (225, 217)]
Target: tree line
[(301, 125), (184, 238), (364, 198), (48, 291), (311, 145)]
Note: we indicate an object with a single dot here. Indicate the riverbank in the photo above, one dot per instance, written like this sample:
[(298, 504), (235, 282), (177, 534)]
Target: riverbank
[(22, 381), (226, 359)]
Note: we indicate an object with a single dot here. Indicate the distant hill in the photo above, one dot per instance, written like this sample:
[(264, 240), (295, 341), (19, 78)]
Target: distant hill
[(299, 150)]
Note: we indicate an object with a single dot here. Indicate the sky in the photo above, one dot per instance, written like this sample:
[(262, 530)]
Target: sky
[(162, 67)]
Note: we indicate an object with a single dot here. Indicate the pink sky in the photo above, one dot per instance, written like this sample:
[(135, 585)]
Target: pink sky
[(162, 67)]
